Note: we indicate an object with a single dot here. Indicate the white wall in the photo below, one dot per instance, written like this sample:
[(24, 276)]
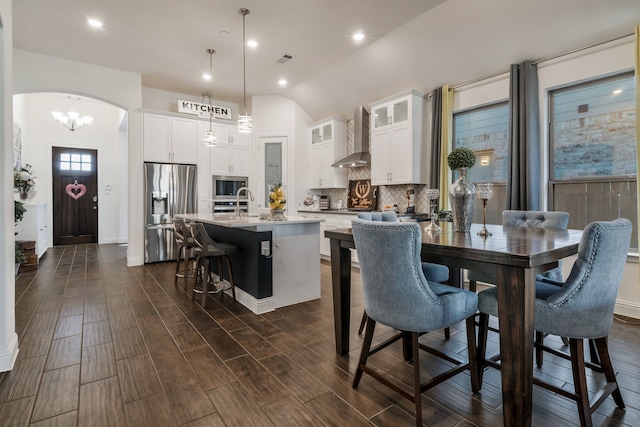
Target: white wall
[(604, 60), (276, 116), (163, 100), (41, 73), (41, 133), (8, 336)]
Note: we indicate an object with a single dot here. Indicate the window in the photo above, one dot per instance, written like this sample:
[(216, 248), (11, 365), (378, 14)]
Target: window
[(485, 131), (593, 151), (75, 162)]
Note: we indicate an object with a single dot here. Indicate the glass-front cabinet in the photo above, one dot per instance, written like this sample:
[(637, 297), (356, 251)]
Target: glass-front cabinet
[(393, 113), (322, 133), (328, 144)]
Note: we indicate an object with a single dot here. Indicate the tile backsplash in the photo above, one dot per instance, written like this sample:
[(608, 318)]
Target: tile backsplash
[(387, 194)]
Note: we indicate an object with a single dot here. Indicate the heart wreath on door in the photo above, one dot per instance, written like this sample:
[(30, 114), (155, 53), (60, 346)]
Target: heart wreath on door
[(76, 190)]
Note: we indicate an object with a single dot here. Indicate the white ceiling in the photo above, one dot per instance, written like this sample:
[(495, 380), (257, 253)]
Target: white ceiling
[(409, 44)]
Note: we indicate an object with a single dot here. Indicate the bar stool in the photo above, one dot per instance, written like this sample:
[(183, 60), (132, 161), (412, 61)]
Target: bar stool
[(205, 250), (185, 243)]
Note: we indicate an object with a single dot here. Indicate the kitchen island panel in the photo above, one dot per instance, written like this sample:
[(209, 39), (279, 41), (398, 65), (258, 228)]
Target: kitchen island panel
[(252, 272)]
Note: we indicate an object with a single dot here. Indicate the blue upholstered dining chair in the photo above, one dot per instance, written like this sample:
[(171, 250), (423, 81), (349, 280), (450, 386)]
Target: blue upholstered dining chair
[(579, 308), (397, 294), (437, 273), (531, 219)]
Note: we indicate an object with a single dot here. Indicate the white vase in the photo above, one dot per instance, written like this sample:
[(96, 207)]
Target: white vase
[(462, 196)]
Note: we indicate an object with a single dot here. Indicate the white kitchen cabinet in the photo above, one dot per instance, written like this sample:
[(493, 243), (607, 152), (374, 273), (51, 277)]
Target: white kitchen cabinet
[(204, 177), (398, 143), (232, 153), (34, 226), (328, 144), (332, 222), (204, 205), (169, 139)]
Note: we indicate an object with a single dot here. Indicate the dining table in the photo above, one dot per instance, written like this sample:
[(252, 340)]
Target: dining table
[(513, 254)]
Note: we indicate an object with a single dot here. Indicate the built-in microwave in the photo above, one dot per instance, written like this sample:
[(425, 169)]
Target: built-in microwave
[(226, 187)]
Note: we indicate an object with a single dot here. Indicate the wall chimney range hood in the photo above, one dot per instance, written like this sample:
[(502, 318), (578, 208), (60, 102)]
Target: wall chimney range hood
[(360, 156)]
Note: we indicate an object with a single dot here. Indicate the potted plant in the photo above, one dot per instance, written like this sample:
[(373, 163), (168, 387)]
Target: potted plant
[(462, 193), (18, 214)]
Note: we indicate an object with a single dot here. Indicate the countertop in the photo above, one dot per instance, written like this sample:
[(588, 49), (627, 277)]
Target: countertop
[(401, 215), (247, 222)]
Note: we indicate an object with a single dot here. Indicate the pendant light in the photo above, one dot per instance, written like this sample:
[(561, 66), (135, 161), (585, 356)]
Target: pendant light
[(210, 138), (72, 120), (244, 119)]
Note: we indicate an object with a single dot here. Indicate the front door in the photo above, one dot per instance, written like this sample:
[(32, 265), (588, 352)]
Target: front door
[(75, 196)]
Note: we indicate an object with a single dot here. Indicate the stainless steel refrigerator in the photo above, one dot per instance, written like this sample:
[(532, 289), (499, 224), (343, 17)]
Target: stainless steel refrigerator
[(169, 190)]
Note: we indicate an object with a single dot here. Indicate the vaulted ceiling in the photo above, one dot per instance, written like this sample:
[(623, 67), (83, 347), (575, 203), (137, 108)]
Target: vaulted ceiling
[(419, 44)]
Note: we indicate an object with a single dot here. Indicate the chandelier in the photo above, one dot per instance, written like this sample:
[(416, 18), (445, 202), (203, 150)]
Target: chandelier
[(210, 138), (244, 119), (72, 119)]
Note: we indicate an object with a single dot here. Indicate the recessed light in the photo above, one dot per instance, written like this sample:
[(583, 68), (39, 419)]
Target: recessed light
[(206, 76), (282, 82), (94, 23), (252, 43), (617, 91), (358, 37)]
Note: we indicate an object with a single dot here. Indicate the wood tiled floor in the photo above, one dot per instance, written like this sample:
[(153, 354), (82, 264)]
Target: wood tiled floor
[(102, 344)]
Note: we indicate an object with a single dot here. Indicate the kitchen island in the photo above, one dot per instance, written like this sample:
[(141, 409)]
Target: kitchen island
[(278, 263)]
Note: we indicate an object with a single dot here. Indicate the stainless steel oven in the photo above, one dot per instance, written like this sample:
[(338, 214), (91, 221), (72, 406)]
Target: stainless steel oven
[(226, 187), (229, 206), (225, 190)]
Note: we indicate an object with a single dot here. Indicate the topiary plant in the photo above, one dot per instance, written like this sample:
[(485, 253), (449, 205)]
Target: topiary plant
[(461, 158)]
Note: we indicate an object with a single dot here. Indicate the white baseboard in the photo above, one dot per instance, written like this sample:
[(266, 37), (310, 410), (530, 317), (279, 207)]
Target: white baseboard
[(8, 356), (627, 308), (134, 261), (258, 306)]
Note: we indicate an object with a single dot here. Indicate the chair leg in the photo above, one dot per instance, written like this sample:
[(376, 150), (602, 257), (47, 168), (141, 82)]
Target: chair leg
[(186, 266), (231, 283), (472, 285), (364, 351), (362, 322), (197, 278), (205, 282), (580, 381), (607, 367), (593, 353), (447, 333), (175, 277), (539, 350), (483, 330), (417, 393)]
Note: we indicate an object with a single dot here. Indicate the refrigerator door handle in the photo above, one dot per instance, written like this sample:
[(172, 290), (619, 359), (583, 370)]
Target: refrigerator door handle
[(159, 226)]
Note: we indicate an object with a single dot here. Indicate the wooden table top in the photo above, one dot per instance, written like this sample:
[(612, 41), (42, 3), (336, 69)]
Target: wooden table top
[(516, 246)]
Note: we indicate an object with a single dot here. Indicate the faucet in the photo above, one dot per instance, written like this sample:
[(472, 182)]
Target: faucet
[(238, 198)]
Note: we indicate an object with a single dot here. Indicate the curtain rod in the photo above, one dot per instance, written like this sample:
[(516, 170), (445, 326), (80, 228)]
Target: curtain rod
[(546, 59)]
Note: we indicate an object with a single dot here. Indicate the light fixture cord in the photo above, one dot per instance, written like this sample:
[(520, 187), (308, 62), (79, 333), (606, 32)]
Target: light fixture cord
[(244, 65), (210, 82)]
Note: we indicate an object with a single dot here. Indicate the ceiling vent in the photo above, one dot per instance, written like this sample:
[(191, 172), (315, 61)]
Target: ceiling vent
[(284, 58)]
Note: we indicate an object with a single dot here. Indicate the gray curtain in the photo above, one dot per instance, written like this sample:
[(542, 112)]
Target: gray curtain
[(523, 179), (436, 136)]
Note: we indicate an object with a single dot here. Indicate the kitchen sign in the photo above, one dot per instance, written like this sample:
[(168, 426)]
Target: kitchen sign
[(204, 110), (362, 195)]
